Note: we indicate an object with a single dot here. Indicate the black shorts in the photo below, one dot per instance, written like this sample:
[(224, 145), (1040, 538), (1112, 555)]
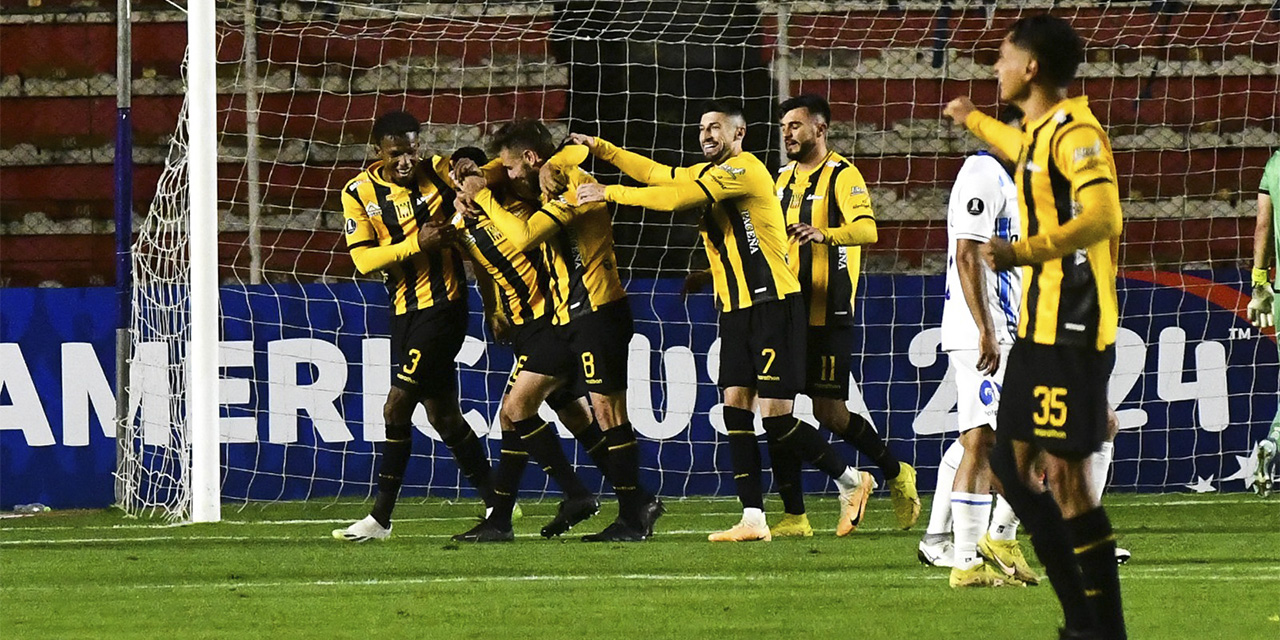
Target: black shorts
[(601, 341), (424, 345), (762, 347), (828, 359), (540, 348), (1056, 397)]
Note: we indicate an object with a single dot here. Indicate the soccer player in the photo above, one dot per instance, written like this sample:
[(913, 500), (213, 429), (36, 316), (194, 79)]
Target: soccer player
[(1262, 308), (762, 314), (829, 218), (1054, 399), (516, 310), (979, 320), (589, 309), (397, 221)]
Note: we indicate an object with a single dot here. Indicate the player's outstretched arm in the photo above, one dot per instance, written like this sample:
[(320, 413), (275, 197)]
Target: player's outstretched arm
[(672, 197), (1006, 139), (523, 234), (633, 164), (1261, 312)]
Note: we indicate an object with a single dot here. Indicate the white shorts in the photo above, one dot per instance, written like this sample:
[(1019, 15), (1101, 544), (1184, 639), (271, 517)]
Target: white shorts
[(978, 395)]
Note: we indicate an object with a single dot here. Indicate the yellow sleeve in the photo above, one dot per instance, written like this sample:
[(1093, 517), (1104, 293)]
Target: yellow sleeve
[(1006, 139), (852, 197), (637, 166), (362, 238), (523, 234), (1085, 160), (570, 155), (732, 179), (368, 259), (672, 197)]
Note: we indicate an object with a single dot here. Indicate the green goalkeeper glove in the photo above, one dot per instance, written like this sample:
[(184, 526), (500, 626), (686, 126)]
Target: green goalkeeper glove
[(1261, 313)]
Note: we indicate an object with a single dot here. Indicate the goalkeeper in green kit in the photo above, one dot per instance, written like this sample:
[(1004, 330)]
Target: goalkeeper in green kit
[(1262, 309)]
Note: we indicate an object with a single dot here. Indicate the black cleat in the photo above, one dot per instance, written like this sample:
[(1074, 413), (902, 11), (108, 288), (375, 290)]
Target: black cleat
[(571, 512), (1078, 634), (619, 531), (486, 531), (649, 514)]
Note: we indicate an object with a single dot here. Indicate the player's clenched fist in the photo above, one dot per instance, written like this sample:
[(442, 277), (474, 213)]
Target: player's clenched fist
[(959, 109)]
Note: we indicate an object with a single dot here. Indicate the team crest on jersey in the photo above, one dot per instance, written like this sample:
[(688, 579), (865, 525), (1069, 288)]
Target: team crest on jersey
[(975, 207), (733, 171), (350, 226)]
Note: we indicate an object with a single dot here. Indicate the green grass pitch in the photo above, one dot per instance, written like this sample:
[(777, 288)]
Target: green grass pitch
[(1203, 567)]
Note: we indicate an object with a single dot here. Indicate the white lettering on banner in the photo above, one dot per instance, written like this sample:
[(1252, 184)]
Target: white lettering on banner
[(1209, 389), (24, 412), (84, 385), (470, 353), (681, 374), (149, 392), (375, 382), (286, 396), (936, 416), (233, 390), (1131, 362)]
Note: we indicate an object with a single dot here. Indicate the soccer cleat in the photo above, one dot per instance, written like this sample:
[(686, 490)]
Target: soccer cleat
[(1007, 556), (619, 531), (516, 512), (743, 532), (853, 505), (363, 531), (571, 512), (792, 526), (980, 575), (1074, 634), (1264, 454), (1122, 555), (486, 531), (941, 553), (649, 514), (905, 498)]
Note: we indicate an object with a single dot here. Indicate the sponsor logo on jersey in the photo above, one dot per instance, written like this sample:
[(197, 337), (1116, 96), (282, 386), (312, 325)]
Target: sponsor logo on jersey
[(372, 209), (732, 170), (1083, 153), (975, 207), (989, 393), (857, 191), (752, 241)]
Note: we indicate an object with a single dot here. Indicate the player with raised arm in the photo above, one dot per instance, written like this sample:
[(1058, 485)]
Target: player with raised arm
[(1054, 400), (517, 312), (589, 309), (829, 218), (762, 314), (1262, 308), (397, 216)]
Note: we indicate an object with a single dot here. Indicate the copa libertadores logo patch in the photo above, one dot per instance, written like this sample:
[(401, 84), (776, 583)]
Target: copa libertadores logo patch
[(350, 226), (976, 207)]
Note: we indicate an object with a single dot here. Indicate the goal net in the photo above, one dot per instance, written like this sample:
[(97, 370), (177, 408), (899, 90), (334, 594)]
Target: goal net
[(1187, 93)]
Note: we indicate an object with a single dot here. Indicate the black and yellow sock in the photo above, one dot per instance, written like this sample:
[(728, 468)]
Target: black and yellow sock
[(592, 440), (395, 458), (542, 443), (864, 438), (1095, 549), (473, 461), (787, 475), (512, 460), (804, 440), (744, 456), (624, 460)]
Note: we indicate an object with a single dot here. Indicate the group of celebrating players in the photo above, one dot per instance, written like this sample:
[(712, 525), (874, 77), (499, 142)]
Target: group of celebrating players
[(1031, 290)]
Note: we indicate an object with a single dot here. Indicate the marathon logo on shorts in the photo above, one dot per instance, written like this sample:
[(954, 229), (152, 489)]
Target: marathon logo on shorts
[(1055, 434)]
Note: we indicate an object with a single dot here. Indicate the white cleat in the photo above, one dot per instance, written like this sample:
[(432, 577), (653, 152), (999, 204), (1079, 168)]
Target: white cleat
[(937, 554), (1122, 555), (363, 531)]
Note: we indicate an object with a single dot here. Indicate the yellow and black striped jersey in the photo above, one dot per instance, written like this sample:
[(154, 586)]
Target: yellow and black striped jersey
[(1067, 299), (521, 277), (381, 213), (744, 232), (831, 196)]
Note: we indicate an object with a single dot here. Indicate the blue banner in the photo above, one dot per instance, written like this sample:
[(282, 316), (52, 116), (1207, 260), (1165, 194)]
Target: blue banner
[(306, 369)]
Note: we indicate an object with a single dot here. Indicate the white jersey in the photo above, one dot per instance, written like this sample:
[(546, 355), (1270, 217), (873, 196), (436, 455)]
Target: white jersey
[(984, 203)]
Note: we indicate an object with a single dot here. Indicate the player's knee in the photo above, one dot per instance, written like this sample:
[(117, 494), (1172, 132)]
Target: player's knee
[(446, 417), (832, 415), (399, 431), (398, 408)]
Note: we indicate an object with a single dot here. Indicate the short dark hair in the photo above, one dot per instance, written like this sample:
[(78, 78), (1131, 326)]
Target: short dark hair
[(474, 154), (815, 104), (1056, 46), (731, 108), (521, 135), (393, 124)]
